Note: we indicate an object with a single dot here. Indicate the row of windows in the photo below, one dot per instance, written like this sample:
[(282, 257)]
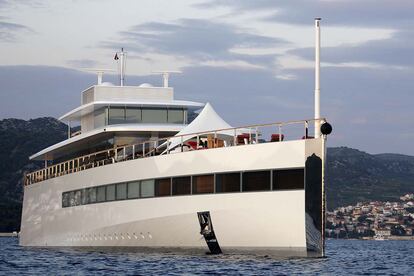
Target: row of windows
[(131, 115), (250, 181)]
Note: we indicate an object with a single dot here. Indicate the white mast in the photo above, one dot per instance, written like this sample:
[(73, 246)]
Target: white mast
[(122, 57), (317, 77)]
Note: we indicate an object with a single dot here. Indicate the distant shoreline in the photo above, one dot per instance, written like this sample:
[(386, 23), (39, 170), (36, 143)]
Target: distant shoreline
[(390, 238), (13, 234)]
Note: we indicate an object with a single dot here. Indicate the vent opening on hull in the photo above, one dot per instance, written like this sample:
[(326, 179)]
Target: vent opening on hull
[(206, 229)]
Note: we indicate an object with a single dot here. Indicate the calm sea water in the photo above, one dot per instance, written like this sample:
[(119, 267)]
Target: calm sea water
[(352, 257)]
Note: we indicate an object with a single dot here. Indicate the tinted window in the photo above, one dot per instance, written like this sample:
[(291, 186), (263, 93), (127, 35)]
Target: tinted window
[(133, 115), (91, 194), (147, 188), (163, 187), (116, 115), (121, 191), (100, 194), (154, 115), (78, 197), (175, 116), (227, 182), (85, 197), (256, 181), (288, 179), (203, 184), (100, 117), (133, 189), (181, 185), (65, 199), (110, 192)]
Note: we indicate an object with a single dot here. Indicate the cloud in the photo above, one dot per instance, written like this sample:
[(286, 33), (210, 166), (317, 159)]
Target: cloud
[(374, 13), (82, 63), (395, 51), (9, 31), (197, 39), (369, 109)]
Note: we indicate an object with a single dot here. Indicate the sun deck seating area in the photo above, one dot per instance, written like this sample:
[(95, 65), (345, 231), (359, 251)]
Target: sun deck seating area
[(197, 141)]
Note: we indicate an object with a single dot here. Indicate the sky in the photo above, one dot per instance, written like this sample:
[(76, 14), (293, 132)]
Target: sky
[(252, 60)]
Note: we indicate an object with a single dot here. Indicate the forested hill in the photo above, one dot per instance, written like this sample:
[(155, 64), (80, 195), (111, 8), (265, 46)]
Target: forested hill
[(18, 140), (352, 175)]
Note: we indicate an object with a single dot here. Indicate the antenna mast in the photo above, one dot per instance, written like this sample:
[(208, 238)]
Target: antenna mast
[(122, 57), (317, 77)]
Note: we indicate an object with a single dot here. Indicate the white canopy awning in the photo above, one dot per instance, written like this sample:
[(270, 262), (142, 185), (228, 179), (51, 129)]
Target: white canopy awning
[(208, 120)]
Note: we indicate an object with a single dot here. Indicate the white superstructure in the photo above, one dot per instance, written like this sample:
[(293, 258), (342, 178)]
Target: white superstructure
[(146, 170)]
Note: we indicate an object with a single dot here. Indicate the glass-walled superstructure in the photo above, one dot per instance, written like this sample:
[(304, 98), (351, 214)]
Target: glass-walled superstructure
[(113, 115)]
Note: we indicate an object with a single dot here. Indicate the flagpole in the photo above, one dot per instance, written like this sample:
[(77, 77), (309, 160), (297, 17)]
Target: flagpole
[(122, 66)]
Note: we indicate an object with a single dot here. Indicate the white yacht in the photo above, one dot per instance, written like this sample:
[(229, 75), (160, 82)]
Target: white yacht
[(147, 170)]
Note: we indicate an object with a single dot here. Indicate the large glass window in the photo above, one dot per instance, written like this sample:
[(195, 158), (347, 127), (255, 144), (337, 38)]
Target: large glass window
[(65, 199), (203, 184), (100, 194), (100, 117), (116, 115), (78, 198), (284, 179), (288, 179), (163, 187), (175, 116), (110, 192), (121, 191), (228, 182), (256, 181), (133, 189), (91, 192), (181, 185), (154, 115), (133, 115), (147, 188)]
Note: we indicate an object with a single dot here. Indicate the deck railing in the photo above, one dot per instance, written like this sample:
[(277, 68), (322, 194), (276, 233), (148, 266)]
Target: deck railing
[(201, 140)]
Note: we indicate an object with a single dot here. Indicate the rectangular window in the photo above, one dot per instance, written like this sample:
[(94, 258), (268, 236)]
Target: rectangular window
[(110, 192), (154, 115), (227, 182), (72, 199), (133, 115), (133, 189), (100, 194), (91, 195), (175, 116), (181, 185), (147, 188), (65, 200), (116, 115), (163, 187), (85, 198), (121, 191), (256, 181), (100, 117), (292, 179), (78, 197), (203, 184)]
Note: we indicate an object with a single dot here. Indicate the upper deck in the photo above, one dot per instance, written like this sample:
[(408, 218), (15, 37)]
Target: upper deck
[(219, 138), (110, 116)]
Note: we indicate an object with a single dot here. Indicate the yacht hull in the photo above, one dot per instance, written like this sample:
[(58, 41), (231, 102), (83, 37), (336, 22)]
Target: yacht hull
[(268, 221)]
